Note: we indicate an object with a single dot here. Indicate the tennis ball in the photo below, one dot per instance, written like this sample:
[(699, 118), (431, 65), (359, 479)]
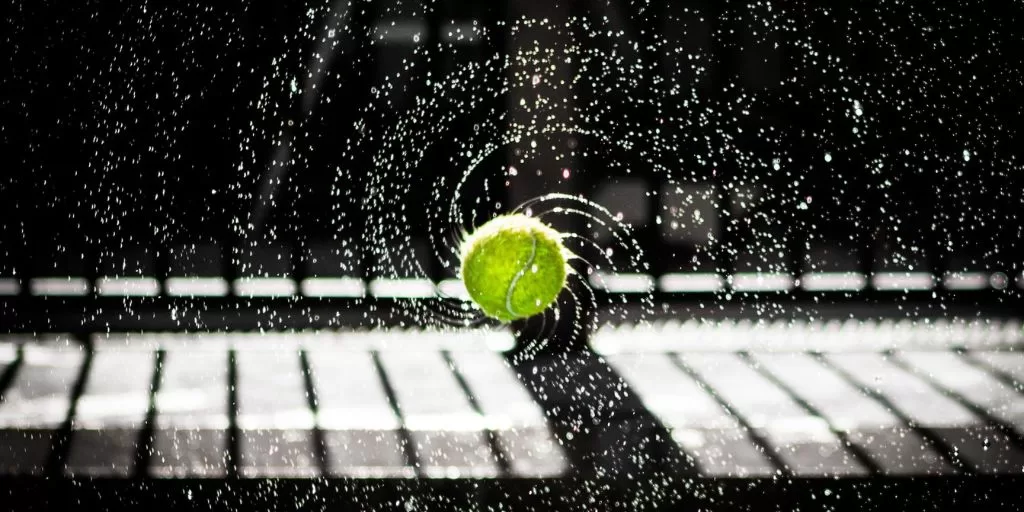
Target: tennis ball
[(513, 266)]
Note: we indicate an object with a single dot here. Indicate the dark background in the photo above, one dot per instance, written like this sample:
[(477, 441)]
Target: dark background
[(128, 129)]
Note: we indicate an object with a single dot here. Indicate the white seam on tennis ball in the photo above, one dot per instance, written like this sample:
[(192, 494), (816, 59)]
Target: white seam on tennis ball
[(520, 274)]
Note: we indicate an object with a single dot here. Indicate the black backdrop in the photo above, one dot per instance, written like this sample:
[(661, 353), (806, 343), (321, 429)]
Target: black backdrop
[(138, 124)]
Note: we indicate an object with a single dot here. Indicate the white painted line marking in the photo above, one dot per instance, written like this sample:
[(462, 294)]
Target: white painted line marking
[(59, 286), (761, 282), (333, 287), (454, 288), (902, 281), (622, 283), (402, 288), (196, 286), (833, 281), (848, 335), (264, 287), (128, 286), (696, 282), (9, 286), (966, 280)]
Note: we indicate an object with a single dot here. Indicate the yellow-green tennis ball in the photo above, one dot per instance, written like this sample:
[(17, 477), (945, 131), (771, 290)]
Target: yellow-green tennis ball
[(513, 267)]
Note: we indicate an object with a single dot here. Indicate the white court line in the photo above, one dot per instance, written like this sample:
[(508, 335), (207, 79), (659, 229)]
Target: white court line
[(622, 283), (402, 288), (59, 286), (8, 349), (833, 281), (9, 286), (965, 280), (761, 282), (411, 339), (902, 281), (333, 287), (125, 341), (687, 282), (454, 288), (196, 286), (128, 286), (799, 335), (264, 287)]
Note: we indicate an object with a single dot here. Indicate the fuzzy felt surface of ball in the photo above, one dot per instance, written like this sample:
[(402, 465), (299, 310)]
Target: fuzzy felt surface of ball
[(513, 266)]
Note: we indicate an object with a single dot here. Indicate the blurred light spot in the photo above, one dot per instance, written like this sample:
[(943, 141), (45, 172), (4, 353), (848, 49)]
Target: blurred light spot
[(691, 282), (9, 286), (333, 287), (622, 283), (833, 281), (400, 31), (965, 280), (60, 286), (999, 281), (128, 286), (402, 288), (196, 286), (899, 281), (761, 282), (264, 287)]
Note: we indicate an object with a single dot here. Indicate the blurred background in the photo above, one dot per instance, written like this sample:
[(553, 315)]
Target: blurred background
[(731, 136)]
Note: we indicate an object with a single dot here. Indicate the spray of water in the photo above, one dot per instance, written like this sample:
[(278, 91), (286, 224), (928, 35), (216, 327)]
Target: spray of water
[(470, 188)]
